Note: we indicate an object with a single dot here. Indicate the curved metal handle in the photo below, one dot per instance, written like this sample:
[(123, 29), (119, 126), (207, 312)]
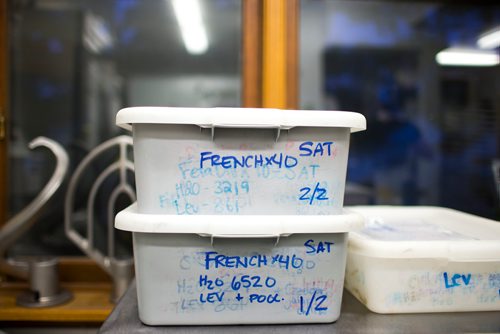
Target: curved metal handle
[(22, 221), (86, 242), (121, 270)]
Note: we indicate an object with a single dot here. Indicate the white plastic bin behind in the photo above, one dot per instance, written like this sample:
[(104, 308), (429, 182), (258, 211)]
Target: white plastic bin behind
[(424, 259), (236, 161), (199, 270)]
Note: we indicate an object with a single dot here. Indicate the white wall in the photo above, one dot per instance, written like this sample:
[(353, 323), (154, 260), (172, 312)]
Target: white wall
[(185, 91)]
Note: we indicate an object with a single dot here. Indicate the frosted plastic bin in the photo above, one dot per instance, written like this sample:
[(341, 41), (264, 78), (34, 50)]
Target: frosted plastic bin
[(424, 259), (216, 161), (202, 270)]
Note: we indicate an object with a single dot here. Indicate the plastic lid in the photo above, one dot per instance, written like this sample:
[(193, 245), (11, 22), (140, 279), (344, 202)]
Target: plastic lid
[(236, 226), (425, 232), (240, 117)]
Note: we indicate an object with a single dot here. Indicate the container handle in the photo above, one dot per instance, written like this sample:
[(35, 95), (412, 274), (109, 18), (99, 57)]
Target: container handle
[(245, 236), (277, 128)]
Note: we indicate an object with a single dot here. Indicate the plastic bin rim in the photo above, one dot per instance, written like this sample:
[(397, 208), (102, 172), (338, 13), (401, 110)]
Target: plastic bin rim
[(449, 250), (237, 226), (452, 251), (241, 117)]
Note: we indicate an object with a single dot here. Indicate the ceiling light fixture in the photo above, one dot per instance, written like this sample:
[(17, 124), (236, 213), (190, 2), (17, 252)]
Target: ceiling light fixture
[(490, 39), (191, 25), (467, 57)]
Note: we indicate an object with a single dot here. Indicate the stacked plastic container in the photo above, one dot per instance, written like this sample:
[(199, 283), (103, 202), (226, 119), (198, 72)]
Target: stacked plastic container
[(239, 215)]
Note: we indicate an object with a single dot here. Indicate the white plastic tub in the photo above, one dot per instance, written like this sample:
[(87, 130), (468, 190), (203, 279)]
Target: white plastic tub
[(236, 161), (201, 270), (424, 259)]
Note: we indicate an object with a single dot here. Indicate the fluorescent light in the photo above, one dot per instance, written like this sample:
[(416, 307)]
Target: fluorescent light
[(193, 31), (467, 57), (490, 39)]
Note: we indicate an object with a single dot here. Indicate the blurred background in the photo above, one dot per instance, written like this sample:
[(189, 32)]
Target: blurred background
[(433, 127), (75, 63), (422, 73)]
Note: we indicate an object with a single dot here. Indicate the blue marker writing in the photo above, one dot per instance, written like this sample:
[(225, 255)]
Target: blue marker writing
[(320, 149), (216, 260), (246, 161), (321, 247), (456, 280)]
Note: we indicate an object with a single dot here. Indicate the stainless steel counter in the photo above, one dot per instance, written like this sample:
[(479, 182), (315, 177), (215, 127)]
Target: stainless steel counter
[(354, 318)]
